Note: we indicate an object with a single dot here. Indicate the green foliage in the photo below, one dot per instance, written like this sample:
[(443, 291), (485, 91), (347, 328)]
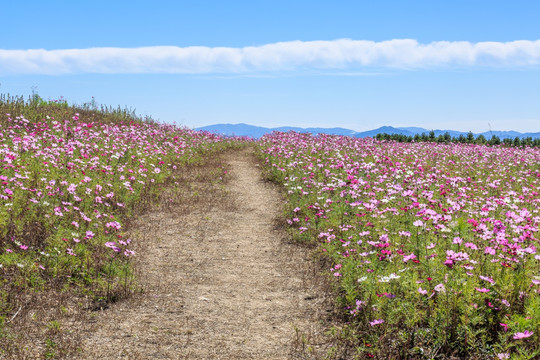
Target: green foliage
[(461, 139)]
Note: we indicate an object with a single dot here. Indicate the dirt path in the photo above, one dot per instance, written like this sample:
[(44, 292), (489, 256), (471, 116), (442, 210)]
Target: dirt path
[(220, 279)]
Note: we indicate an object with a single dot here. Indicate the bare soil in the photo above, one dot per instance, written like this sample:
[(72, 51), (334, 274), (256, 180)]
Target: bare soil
[(221, 280)]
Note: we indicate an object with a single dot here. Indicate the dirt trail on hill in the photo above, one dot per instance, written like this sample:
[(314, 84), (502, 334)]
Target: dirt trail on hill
[(220, 279)]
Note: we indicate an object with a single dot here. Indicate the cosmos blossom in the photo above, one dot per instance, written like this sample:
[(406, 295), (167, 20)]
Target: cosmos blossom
[(376, 322), (522, 335), (482, 290)]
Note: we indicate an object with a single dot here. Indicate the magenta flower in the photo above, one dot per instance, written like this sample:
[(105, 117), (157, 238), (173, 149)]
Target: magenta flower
[(406, 258), (114, 224), (129, 252), (523, 335), (376, 322), (482, 290), (112, 245), (439, 288)]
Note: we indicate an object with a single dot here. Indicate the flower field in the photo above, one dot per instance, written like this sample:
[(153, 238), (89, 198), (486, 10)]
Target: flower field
[(434, 248), (70, 181)]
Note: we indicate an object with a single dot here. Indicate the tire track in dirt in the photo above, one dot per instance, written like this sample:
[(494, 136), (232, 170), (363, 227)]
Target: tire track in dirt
[(220, 280)]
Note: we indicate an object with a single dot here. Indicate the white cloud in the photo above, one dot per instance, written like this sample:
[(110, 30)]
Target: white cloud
[(343, 55)]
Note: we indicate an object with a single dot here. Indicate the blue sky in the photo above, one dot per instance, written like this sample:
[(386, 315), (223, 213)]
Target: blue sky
[(456, 64)]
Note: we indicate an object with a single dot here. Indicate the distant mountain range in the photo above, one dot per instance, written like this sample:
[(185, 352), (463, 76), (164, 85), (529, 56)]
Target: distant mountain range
[(258, 131)]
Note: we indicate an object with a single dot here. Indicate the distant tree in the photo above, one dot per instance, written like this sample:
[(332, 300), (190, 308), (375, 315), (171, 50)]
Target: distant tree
[(447, 137), (495, 140), (480, 140)]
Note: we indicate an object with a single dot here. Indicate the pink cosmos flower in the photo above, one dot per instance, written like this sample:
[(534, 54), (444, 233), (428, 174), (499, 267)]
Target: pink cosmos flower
[(129, 252), (112, 245), (114, 225), (376, 322), (439, 288), (487, 278), (523, 335), (482, 290), (406, 258), (422, 291)]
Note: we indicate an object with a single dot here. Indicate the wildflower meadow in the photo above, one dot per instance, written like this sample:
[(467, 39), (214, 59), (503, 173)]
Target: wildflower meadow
[(433, 248), (71, 179)]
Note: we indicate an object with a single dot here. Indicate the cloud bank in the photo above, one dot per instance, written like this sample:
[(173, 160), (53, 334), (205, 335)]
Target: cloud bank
[(340, 55)]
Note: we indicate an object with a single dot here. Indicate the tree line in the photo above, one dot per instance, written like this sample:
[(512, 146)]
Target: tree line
[(463, 139)]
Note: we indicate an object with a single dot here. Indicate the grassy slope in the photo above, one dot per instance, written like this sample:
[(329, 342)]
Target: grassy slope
[(72, 180)]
